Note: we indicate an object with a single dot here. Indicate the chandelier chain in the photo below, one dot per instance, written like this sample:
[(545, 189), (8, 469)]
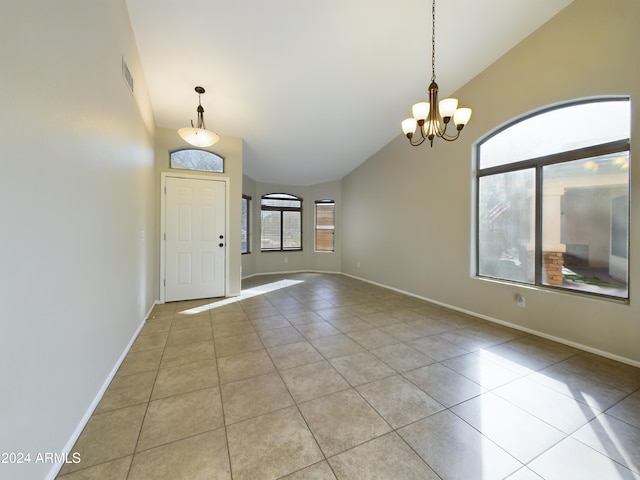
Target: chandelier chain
[(433, 41)]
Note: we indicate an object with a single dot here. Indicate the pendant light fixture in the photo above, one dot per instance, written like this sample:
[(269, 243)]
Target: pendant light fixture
[(198, 136), (431, 119)]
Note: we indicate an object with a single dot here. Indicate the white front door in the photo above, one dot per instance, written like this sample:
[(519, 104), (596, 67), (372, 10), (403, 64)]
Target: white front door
[(195, 241)]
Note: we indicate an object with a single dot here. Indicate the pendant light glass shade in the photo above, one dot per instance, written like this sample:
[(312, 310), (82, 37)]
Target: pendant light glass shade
[(461, 116), (420, 110), (409, 125), (447, 107), (198, 137)]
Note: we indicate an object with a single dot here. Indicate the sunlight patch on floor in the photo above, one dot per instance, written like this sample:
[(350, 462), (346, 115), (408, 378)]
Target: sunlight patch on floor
[(248, 293)]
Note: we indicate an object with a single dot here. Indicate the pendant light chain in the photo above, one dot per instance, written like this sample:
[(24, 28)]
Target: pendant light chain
[(433, 41)]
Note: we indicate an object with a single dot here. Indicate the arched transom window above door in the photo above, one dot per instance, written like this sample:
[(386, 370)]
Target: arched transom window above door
[(198, 160)]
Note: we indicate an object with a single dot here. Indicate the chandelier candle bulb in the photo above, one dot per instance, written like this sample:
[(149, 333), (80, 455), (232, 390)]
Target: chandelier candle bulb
[(447, 108), (461, 117), (420, 111), (409, 126)]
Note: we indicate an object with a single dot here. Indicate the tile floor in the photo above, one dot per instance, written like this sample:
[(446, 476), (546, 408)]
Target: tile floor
[(314, 376)]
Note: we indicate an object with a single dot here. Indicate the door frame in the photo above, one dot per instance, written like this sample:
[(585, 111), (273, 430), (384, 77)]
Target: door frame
[(163, 230)]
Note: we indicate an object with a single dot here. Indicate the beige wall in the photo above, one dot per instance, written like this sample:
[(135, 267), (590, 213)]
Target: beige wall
[(230, 148), (80, 204), (78, 216), (307, 259), (417, 202)]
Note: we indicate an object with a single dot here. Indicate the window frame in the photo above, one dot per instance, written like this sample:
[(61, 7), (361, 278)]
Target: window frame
[(317, 228), (246, 199), (286, 197), (538, 163)]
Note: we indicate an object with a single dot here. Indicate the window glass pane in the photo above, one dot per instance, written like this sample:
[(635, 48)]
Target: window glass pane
[(200, 160), (506, 223), (270, 237), (324, 241), (292, 239), (558, 130), (325, 226), (285, 196), (244, 226), (270, 202), (585, 224), (324, 215), (281, 222)]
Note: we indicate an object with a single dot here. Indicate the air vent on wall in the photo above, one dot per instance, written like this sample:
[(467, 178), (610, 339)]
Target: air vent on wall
[(126, 74)]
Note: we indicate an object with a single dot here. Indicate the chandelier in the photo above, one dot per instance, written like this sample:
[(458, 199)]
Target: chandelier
[(198, 136), (432, 119)]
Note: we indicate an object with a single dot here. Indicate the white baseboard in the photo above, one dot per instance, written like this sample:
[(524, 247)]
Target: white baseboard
[(515, 326), (55, 468), (329, 272)]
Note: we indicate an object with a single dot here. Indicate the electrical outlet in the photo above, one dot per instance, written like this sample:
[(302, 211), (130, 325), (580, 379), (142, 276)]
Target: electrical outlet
[(286, 260), (358, 264), (520, 300)]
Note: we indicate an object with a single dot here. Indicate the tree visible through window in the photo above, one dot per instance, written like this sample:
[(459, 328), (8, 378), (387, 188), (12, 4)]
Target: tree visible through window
[(553, 199), (325, 225), (281, 220), (199, 160)]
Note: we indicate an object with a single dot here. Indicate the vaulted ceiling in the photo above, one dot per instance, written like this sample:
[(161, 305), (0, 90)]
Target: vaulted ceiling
[(316, 87)]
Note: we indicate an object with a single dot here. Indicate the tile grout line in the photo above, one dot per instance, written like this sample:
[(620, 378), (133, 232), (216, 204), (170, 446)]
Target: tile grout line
[(224, 421), (346, 304), (157, 371), (295, 403)]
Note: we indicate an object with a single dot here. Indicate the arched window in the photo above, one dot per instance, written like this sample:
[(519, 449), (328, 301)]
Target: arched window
[(281, 220), (199, 160), (552, 206)]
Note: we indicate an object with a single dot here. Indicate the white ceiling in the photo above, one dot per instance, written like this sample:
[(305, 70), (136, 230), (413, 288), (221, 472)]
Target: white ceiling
[(316, 87)]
